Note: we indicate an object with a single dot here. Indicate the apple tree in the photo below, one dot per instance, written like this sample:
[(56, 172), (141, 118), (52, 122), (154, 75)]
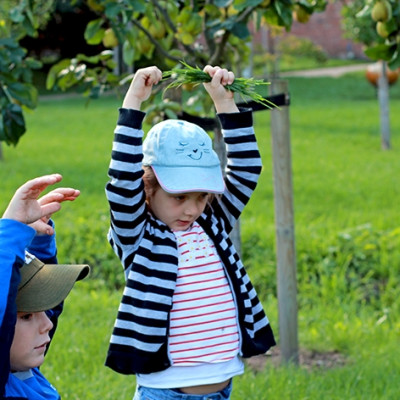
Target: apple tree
[(17, 20), (134, 33), (164, 32), (376, 24)]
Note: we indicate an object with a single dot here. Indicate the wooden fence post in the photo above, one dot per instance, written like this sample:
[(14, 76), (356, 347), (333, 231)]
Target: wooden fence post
[(284, 224)]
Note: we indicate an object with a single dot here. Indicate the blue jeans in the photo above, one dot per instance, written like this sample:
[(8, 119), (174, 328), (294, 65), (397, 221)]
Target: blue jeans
[(145, 393)]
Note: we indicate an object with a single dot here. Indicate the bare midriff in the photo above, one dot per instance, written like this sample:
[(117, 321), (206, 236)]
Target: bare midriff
[(205, 389)]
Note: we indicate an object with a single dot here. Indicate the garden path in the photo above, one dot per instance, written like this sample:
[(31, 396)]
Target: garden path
[(332, 71)]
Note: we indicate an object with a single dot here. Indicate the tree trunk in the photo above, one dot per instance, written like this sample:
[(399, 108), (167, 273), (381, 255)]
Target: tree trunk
[(383, 97)]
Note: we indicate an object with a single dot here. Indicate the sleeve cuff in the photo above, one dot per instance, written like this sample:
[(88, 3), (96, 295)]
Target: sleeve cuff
[(44, 246), (16, 235), (238, 120), (131, 118)]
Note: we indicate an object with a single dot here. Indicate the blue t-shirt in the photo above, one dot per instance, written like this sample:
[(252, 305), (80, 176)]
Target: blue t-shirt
[(30, 385)]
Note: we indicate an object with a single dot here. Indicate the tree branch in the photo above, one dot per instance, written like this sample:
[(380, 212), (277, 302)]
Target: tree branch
[(154, 41), (216, 56), (194, 54), (246, 13), (164, 14)]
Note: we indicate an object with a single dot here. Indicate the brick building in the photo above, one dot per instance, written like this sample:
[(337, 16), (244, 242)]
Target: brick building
[(324, 29)]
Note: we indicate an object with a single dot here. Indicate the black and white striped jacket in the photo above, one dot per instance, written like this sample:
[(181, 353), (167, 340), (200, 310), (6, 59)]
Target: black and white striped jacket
[(148, 249)]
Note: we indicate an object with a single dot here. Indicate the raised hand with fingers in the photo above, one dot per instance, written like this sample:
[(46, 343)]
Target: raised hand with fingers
[(223, 99), (141, 87), (26, 207), (58, 195)]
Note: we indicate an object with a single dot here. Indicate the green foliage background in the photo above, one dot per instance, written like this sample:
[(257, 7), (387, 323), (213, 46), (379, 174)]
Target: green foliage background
[(346, 197)]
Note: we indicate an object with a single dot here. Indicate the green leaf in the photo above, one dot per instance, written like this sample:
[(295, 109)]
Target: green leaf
[(365, 11), (54, 72), (29, 28), (284, 13), (272, 18), (32, 63), (94, 32), (128, 53), (89, 59), (113, 79), (170, 114), (138, 5), (31, 19), (240, 30), (106, 54), (395, 61), (392, 25), (16, 16), (9, 42), (111, 64), (381, 52), (112, 10), (308, 6), (13, 123), (25, 93), (240, 5)]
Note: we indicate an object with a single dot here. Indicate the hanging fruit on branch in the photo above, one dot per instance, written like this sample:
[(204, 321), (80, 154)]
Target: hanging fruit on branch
[(381, 11), (374, 71)]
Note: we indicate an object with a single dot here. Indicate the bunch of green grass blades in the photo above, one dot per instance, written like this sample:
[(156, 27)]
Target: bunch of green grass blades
[(245, 87)]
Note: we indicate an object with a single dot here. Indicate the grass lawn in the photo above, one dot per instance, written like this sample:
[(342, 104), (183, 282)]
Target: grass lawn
[(346, 196)]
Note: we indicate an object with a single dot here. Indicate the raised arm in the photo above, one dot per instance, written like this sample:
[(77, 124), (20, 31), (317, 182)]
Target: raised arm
[(125, 190), (222, 98), (141, 87), (244, 162), (26, 207)]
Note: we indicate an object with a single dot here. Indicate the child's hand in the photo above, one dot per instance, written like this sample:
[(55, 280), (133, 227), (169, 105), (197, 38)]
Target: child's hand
[(222, 98), (26, 208), (58, 195), (141, 86)]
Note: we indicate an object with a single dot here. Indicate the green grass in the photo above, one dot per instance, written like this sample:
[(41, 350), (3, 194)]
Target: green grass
[(338, 163), (346, 197), (295, 63)]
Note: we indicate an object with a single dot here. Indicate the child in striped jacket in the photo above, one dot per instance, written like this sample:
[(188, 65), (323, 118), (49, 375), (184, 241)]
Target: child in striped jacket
[(189, 312)]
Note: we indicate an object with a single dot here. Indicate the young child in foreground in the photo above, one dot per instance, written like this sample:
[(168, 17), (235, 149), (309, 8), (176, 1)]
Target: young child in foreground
[(32, 291), (189, 312)]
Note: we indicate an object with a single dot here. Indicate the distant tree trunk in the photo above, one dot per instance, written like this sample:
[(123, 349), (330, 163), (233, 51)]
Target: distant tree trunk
[(268, 41), (383, 97), (1, 152)]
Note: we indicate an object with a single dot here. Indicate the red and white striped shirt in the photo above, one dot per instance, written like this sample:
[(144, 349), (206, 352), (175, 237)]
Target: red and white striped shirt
[(203, 323)]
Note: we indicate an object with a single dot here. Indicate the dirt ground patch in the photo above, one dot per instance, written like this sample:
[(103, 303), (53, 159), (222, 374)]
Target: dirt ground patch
[(307, 359)]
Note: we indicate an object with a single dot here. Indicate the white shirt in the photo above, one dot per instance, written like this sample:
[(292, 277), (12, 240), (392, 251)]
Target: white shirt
[(204, 332)]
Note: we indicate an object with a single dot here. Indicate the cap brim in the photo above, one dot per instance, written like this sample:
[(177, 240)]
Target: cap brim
[(49, 286), (190, 179)]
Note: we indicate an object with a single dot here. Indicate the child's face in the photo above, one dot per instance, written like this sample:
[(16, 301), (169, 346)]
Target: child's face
[(30, 341), (178, 211)]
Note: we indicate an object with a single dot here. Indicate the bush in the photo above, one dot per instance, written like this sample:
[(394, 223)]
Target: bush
[(91, 247), (362, 261)]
